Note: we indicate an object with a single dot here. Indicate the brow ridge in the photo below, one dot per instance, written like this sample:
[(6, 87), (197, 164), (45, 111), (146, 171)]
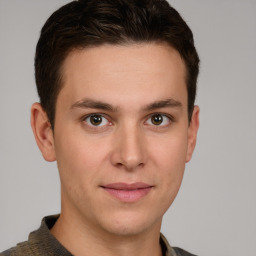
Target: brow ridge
[(163, 104), (95, 104), (88, 103)]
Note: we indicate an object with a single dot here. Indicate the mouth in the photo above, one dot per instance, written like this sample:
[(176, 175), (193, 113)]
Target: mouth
[(128, 192)]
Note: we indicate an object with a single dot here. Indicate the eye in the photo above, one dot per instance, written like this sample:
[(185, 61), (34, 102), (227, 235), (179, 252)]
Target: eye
[(158, 120), (96, 120)]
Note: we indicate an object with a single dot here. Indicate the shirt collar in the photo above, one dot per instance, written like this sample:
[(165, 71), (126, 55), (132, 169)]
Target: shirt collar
[(51, 246)]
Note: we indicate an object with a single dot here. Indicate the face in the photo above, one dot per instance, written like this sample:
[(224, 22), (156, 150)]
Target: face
[(121, 137)]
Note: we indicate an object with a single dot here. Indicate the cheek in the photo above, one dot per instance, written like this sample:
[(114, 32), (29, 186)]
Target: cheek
[(78, 160), (170, 152), (169, 158)]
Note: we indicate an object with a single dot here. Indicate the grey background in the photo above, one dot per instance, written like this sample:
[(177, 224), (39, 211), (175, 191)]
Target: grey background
[(215, 211)]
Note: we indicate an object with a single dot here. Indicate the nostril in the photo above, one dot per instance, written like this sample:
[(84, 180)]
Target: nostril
[(129, 167), (119, 164)]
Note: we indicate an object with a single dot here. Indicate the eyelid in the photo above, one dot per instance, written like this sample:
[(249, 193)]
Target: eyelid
[(170, 117), (110, 122), (94, 114), (83, 118)]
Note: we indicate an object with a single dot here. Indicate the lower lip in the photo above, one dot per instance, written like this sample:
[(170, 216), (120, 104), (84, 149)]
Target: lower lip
[(128, 195)]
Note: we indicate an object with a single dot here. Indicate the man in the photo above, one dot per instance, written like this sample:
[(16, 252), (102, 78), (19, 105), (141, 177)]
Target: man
[(117, 85)]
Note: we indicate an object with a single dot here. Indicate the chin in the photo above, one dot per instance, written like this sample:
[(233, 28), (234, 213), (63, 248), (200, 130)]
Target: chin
[(131, 225)]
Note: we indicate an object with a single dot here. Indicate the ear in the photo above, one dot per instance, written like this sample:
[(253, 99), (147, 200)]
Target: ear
[(192, 133), (43, 132)]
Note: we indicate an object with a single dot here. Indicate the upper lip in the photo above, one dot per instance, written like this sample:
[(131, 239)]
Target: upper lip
[(126, 186)]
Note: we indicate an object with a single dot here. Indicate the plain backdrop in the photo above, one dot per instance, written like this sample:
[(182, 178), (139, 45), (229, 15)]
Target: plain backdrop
[(215, 211)]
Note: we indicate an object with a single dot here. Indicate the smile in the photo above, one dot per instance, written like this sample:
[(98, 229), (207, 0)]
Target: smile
[(128, 192)]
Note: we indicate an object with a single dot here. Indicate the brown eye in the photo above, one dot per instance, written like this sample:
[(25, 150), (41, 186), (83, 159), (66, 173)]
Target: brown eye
[(96, 120), (157, 119)]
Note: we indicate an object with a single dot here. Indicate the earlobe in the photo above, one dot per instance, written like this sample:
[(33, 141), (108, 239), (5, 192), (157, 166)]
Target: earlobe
[(192, 133), (43, 132)]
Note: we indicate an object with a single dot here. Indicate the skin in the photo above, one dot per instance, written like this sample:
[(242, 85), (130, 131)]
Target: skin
[(128, 146)]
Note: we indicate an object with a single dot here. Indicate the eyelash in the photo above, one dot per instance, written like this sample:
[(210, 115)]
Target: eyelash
[(169, 118), (148, 118), (95, 127)]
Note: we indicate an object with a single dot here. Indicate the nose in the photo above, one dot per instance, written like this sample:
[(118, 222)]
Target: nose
[(129, 150)]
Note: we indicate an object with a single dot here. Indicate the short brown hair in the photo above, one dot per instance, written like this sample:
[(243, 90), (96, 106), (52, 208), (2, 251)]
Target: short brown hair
[(84, 23)]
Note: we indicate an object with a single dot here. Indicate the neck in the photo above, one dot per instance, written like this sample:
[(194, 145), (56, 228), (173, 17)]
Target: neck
[(83, 239)]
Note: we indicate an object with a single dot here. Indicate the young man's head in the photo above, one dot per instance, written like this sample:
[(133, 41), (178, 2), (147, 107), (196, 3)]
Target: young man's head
[(117, 83)]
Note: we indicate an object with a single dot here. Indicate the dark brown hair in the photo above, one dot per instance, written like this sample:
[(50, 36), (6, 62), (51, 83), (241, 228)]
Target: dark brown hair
[(85, 23)]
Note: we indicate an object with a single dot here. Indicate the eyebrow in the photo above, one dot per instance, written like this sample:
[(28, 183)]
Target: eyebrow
[(163, 104), (89, 103)]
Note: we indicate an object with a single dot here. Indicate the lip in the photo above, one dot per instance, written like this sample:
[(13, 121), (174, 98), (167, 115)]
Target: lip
[(128, 192)]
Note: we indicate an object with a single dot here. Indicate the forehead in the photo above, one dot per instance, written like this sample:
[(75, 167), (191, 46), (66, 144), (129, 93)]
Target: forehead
[(131, 71)]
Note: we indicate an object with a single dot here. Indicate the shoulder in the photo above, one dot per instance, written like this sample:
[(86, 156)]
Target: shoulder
[(181, 252), (40, 242), (19, 250), (35, 245)]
